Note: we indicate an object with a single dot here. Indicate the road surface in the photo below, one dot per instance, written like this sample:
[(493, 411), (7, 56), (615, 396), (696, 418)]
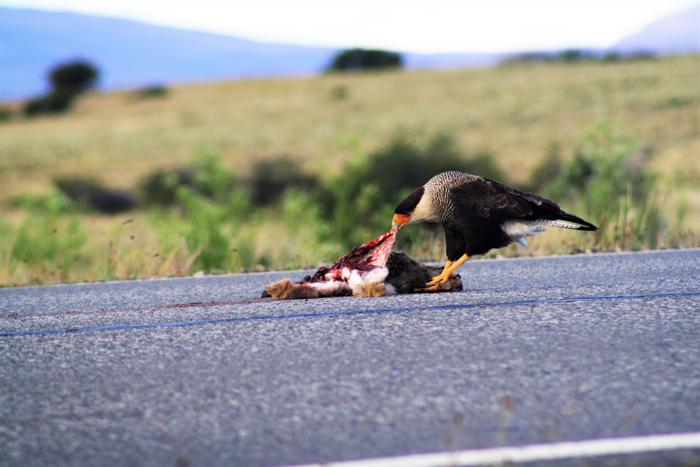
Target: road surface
[(197, 371)]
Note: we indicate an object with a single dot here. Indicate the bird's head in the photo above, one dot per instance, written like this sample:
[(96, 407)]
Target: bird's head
[(414, 208)]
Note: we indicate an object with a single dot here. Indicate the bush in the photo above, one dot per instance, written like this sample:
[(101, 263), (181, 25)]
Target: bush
[(74, 77), (113, 201), (151, 92), (608, 182), (216, 230), (365, 59), (361, 199), (55, 102), (54, 201), (160, 187), (270, 178), (205, 176), (403, 165), (78, 189), (546, 171), (90, 193)]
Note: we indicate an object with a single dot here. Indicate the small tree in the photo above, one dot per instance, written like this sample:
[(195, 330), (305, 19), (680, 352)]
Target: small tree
[(74, 77), (365, 59)]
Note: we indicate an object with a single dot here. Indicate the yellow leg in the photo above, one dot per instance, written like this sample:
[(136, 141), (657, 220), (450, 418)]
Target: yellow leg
[(437, 279), (444, 276)]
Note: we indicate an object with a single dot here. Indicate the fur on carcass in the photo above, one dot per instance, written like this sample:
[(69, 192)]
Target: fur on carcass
[(368, 270)]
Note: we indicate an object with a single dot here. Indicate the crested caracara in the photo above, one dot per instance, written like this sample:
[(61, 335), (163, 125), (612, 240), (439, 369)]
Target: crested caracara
[(479, 214)]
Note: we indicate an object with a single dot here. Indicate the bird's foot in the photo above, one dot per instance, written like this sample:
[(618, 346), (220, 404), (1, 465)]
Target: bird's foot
[(436, 284), (441, 278)]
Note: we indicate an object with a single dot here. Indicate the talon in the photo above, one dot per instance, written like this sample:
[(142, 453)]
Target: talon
[(432, 288), (444, 276), (437, 280)]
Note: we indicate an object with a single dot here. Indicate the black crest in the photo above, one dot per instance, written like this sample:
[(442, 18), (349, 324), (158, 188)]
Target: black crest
[(410, 202)]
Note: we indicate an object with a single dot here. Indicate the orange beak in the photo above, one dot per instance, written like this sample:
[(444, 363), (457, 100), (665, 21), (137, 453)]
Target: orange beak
[(399, 220)]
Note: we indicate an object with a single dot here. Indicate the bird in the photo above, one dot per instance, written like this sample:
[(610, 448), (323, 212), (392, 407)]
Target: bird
[(479, 214)]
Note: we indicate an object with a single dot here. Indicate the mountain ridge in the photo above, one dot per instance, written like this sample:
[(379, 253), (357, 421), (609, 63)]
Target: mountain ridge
[(132, 53), (672, 34), (135, 54)]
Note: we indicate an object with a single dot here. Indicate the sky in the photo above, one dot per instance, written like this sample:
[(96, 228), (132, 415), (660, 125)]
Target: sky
[(432, 26)]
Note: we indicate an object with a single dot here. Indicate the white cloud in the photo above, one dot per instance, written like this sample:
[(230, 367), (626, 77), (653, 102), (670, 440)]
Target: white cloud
[(415, 25)]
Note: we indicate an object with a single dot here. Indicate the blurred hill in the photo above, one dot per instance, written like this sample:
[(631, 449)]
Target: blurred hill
[(678, 33), (134, 54), (131, 53), (518, 114)]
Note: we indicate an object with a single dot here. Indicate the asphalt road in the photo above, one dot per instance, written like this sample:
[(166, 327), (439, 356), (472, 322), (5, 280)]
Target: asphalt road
[(197, 371)]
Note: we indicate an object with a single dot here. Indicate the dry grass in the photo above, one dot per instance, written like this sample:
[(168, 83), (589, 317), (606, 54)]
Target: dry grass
[(515, 113)]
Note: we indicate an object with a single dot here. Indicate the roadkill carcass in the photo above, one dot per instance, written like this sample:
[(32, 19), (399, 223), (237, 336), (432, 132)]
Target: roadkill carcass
[(368, 270)]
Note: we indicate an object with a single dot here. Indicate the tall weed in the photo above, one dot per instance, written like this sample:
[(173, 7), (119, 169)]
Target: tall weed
[(51, 245), (608, 182)]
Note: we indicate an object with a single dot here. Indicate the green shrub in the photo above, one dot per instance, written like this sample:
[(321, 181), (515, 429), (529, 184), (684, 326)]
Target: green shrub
[(215, 230), (160, 187), (205, 175), (403, 165), (205, 234), (547, 170), (362, 198), (211, 177), (608, 182), (674, 102), (606, 170), (270, 178), (91, 194), (311, 236), (79, 189), (54, 201)]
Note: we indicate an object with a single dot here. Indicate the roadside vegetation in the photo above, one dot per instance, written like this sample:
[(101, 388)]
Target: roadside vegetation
[(285, 174)]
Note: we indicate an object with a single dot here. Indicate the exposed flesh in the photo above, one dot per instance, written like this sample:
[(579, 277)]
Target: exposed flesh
[(363, 260)]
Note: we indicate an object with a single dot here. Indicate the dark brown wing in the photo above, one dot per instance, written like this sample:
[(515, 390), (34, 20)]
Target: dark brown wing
[(489, 201)]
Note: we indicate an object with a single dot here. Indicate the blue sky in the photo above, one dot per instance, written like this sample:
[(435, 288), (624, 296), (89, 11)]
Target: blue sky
[(408, 25)]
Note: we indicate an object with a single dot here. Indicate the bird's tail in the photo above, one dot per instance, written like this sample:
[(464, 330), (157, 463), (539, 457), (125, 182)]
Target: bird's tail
[(569, 221)]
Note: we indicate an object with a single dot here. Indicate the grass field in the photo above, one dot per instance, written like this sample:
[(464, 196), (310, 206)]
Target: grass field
[(517, 114)]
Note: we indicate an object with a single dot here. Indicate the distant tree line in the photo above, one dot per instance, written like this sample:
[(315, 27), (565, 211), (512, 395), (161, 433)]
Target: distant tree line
[(576, 56)]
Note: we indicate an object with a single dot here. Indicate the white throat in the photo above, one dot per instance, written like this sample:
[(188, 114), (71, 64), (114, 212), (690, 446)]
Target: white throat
[(424, 210)]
